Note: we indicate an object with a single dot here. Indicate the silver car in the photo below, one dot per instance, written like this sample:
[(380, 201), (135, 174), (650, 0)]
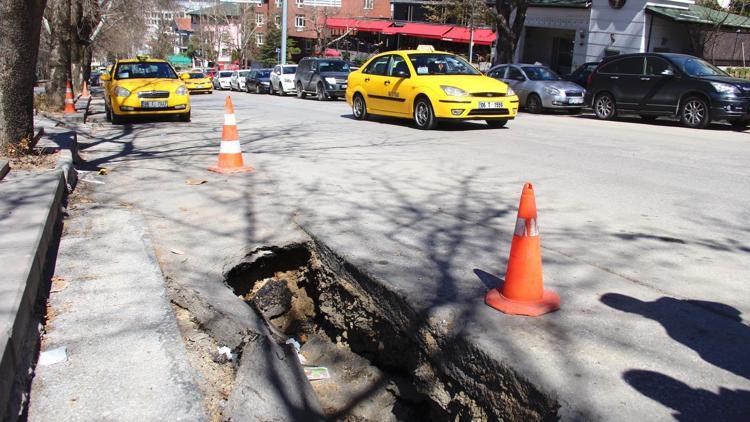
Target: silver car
[(539, 88)]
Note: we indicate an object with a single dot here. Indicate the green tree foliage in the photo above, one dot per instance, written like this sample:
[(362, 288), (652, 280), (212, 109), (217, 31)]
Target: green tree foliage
[(272, 42)]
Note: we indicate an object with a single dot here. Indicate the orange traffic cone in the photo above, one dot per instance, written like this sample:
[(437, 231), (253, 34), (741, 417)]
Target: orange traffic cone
[(69, 108), (85, 91), (230, 152), (523, 291)]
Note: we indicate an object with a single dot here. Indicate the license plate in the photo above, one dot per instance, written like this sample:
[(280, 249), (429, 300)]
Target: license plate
[(575, 100), (490, 104), (153, 104)]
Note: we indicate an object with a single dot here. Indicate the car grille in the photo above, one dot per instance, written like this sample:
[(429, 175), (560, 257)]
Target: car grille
[(574, 93), (487, 111), (487, 94), (153, 94)]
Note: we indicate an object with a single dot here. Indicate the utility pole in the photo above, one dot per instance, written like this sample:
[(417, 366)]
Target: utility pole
[(283, 31), (471, 33)]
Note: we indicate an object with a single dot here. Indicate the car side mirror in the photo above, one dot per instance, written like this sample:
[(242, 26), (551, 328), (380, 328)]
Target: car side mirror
[(184, 76), (402, 74), (668, 72), (105, 77)]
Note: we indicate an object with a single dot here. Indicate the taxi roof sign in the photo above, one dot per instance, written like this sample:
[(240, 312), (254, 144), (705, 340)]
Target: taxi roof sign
[(142, 57), (426, 47)]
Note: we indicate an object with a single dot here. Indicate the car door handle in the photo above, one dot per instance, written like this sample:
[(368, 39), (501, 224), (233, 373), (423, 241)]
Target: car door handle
[(645, 79), (367, 79), (614, 77), (387, 82)]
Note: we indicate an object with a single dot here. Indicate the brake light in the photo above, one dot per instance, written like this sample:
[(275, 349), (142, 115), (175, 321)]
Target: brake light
[(588, 80)]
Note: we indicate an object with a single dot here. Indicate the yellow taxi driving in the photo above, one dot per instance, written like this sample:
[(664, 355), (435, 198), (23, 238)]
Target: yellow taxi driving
[(198, 82), (428, 86), (145, 86)]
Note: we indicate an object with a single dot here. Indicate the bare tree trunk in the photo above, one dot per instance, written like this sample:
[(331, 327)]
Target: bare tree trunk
[(508, 33), (19, 47), (76, 48), (58, 15)]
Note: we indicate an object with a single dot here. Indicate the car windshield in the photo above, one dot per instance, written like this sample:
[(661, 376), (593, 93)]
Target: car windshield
[(540, 73), (441, 64), (290, 70), (147, 70), (333, 66), (244, 74), (225, 74), (698, 67), (264, 73), (197, 76)]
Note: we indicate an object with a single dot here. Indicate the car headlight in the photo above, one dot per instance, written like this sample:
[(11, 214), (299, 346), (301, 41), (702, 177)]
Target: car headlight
[(510, 91), (331, 81), (551, 91), (453, 91), (181, 90), (723, 88), (121, 92)]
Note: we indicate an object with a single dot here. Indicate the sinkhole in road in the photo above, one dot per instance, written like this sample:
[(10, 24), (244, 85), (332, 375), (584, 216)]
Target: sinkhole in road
[(385, 361)]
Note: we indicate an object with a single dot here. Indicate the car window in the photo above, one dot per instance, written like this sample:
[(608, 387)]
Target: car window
[(498, 73), (694, 66), (289, 70), (243, 74), (148, 70), (656, 65), (378, 66), (515, 74), (441, 64), (333, 66), (398, 67), (627, 66), (225, 74), (264, 73), (197, 75), (540, 73)]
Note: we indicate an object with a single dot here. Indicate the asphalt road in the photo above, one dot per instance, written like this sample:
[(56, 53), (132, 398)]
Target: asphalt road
[(644, 231)]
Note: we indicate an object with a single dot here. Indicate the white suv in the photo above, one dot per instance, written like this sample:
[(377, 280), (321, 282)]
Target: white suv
[(282, 79), (238, 80)]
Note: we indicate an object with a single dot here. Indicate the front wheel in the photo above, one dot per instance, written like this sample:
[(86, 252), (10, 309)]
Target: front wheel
[(604, 107), (300, 91), (497, 124), (320, 92), (694, 113), (534, 104), (257, 89), (115, 119), (185, 117), (424, 115), (359, 108), (270, 89)]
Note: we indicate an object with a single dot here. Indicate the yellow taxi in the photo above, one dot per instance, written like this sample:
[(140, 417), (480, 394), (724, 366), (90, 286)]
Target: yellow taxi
[(428, 86), (199, 82), (145, 86)]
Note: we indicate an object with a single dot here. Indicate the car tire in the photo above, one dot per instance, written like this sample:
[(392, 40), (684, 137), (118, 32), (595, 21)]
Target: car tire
[(270, 88), (257, 89), (694, 113), (359, 107), (648, 118), (534, 104), (185, 117), (424, 115), (604, 107), (115, 119), (320, 92), (300, 92), (497, 124), (107, 113)]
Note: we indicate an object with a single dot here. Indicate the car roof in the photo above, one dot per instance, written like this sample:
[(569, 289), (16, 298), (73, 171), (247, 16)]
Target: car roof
[(141, 61)]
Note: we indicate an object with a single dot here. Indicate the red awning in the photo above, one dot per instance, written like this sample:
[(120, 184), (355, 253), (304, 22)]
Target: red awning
[(421, 30), (359, 25), (461, 34)]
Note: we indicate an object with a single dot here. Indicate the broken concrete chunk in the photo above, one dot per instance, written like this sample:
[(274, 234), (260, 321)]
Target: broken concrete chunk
[(273, 299)]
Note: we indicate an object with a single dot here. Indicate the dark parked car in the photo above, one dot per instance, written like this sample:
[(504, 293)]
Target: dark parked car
[(326, 78), (665, 84), (258, 81), (580, 76)]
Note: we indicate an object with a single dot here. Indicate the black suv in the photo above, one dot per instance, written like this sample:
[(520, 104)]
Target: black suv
[(326, 78), (665, 84)]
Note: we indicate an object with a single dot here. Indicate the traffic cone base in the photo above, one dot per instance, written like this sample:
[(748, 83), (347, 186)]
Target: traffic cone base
[(221, 170), (549, 302)]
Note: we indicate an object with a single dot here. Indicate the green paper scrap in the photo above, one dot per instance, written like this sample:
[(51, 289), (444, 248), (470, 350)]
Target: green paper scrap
[(317, 373)]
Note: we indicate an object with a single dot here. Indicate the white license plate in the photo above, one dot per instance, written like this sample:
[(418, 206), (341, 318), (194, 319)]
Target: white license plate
[(575, 100), (153, 104), (490, 104)]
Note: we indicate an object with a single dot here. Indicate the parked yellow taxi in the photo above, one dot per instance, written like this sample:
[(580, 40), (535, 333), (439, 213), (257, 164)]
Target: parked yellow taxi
[(199, 82), (145, 86), (428, 86)]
